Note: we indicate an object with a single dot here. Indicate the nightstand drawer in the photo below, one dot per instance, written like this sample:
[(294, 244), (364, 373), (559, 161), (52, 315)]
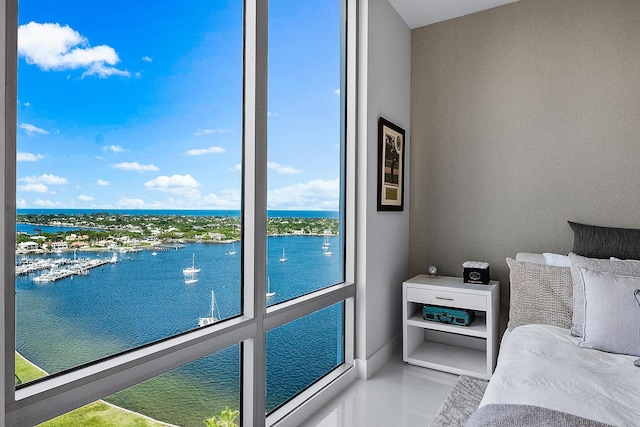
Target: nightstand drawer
[(447, 298)]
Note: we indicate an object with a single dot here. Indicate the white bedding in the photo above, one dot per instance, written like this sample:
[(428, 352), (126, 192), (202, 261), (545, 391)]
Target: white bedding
[(542, 365)]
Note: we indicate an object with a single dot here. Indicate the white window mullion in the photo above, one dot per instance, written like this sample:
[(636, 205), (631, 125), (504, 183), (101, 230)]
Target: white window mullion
[(254, 211), (8, 115), (350, 130)]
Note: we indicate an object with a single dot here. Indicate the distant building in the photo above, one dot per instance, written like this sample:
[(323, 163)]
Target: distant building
[(28, 246), (59, 246)]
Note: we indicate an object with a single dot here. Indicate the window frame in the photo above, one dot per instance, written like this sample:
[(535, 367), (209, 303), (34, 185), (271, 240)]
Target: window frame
[(60, 393)]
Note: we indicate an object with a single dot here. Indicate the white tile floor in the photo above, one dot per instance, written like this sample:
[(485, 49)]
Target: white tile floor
[(398, 394)]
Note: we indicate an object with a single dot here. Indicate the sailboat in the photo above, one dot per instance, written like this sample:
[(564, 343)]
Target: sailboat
[(192, 269), (190, 279), (205, 321), (283, 258), (269, 293), (233, 249), (326, 243), (325, 246)]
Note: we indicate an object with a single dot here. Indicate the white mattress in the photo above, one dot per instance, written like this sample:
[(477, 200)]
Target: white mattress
[(543, 366)]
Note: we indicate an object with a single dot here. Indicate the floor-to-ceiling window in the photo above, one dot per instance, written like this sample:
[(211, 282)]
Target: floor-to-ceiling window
[(156, 146)]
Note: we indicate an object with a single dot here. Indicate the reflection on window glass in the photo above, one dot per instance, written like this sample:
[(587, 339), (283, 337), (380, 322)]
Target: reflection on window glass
[(128, 184), (207, 389), (301, 352), (305, 251)]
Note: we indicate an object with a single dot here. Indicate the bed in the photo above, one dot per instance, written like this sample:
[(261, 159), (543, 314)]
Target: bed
[(567, 358)]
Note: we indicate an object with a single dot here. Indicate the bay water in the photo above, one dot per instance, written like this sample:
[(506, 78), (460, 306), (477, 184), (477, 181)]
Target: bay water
[(143, 298)]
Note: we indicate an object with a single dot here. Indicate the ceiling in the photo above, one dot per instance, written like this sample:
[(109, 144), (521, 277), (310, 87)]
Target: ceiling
[(418, 13)]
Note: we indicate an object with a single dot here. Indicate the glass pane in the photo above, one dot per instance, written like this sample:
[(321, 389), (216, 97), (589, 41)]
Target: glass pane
[(129, 137), (302, 351), (305, 251), (186, 396)]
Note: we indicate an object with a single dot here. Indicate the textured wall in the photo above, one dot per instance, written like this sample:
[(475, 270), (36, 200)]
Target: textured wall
[(523, 117)]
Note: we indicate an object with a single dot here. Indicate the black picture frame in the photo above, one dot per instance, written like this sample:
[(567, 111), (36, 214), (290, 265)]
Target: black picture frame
[(391, 147)]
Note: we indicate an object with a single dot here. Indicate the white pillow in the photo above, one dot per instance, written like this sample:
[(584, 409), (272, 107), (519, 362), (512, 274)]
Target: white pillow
[(623, 268), (557, 260), (612, 313)]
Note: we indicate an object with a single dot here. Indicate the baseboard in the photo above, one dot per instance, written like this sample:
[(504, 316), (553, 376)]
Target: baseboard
[(367, 367)]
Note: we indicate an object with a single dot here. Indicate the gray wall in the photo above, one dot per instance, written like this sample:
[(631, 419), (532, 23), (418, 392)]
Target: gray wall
[(383, 250), (523, 117)]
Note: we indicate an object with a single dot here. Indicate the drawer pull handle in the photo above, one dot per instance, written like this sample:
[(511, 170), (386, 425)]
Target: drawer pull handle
[(448, 299)]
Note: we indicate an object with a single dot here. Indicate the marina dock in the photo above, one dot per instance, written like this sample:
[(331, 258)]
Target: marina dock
[(61, 268)]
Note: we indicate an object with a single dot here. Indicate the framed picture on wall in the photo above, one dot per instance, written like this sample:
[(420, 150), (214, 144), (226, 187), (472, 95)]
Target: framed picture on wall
[(391, 144)]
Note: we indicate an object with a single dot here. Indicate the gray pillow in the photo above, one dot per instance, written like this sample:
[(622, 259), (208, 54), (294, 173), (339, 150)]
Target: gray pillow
[(603, 242), (624, 268), (540, 294), (612, 313)]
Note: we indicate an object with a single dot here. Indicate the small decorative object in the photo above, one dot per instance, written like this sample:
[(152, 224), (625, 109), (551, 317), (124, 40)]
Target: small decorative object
[(390, 166), (432, 270), (476, 272), (454, 316)]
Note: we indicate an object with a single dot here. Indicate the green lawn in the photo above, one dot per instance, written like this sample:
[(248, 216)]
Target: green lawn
[(96, 414)]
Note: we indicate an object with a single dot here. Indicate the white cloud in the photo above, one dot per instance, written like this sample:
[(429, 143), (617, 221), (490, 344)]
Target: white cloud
[(40, 184), (28, 157), (184, 185), (44, 179), (237, 167), (51, 46), (282, 168), (228, 199), (34, 188), (337, 92), (127, 203), (203, 151), (31, 129), (317, 194), (85, 198), (21, 203), (114, 148), (135, 166), (102, 182), (147, 58), (201, 132), (271, 114), (47, 204), (27, 104)]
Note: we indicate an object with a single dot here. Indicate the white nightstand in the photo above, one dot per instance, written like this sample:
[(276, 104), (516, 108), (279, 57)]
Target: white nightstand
[(466, 350)]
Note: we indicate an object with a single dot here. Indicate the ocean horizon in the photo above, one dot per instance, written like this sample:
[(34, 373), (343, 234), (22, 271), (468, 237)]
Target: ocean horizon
[(271, 213)]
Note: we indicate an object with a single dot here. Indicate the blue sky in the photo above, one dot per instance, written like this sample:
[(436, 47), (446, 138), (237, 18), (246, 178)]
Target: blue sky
[(137, 105)]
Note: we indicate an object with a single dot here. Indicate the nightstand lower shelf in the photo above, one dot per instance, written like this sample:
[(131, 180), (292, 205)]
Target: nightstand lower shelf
[(457, 360)]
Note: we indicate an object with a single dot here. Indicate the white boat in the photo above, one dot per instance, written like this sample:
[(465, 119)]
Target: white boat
[(191, 279), (233, 249), (283, 258), (154, 253), (325, 246), (192, 269), (269, 293), (205, 321), (114, 258)]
